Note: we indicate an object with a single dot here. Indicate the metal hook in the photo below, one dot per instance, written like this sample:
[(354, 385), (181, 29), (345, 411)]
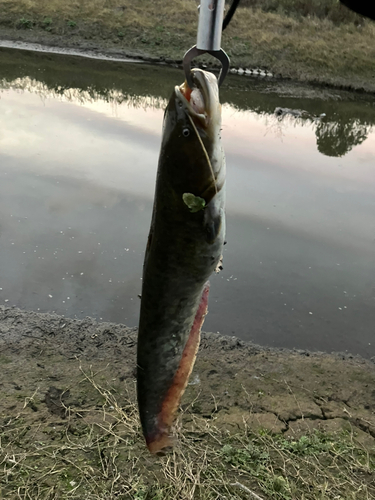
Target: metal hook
[(221, 55)]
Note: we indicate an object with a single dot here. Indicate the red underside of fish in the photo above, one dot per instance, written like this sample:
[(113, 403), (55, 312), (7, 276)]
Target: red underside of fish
[(165, 418)]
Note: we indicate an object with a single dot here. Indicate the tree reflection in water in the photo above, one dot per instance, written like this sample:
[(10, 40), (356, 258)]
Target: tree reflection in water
[(340, 120), (338, 138), (333, 138)]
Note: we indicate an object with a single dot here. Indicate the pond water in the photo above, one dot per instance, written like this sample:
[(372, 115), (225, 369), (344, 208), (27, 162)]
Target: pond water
[(79, 145)]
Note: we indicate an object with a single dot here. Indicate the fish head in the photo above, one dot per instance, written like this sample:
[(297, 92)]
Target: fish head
[(191, 136), (201, 103)]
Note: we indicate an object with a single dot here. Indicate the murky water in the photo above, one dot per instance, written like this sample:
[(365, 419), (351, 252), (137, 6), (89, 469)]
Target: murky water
[(79, 144)]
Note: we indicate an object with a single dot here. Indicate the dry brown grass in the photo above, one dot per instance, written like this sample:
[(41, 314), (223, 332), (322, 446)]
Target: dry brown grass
[(109, 13), (318, 48), (322, 9), (97, 452)]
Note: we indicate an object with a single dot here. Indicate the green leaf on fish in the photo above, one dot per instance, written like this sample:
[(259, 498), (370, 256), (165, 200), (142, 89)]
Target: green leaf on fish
[(195, 203)]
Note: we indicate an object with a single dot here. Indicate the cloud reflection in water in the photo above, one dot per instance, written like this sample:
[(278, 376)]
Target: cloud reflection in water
[(77, 169)]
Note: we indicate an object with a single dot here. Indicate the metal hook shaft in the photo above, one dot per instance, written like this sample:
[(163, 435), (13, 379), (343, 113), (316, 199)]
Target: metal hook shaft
[(210, 27)]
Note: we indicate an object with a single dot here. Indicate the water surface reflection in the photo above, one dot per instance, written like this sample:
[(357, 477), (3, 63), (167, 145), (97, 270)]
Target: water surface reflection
[(78, 156)]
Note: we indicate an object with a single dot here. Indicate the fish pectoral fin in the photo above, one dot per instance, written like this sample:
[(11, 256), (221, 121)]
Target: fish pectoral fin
[(213, 222), (212, 230)]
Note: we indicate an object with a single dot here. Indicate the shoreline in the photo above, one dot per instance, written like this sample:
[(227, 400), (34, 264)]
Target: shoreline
[(33, 318), (315, 395), (52, 49), (102, 52)]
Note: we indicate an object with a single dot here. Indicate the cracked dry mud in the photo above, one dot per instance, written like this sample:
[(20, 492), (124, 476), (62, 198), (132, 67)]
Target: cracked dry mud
[(234, 383)]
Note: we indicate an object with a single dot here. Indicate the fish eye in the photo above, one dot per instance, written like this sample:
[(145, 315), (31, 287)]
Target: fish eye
[(185, 132)]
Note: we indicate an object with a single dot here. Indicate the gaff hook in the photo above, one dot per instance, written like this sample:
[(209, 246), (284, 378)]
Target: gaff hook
[(210, 27)]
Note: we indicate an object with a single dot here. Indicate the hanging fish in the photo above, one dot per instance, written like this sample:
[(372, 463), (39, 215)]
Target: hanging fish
[(184, 248)]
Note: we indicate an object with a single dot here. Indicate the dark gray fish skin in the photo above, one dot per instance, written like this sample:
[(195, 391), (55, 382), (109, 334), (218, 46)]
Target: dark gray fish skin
[(183, 248)]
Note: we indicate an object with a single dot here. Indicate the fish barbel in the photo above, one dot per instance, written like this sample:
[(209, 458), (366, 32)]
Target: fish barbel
[(184, 247)]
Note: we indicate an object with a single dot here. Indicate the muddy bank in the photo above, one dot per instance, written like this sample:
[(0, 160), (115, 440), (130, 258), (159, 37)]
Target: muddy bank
[(86, 49), (283, 391)]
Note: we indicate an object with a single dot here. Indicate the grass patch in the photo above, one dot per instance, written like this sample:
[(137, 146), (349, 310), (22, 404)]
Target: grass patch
[(96, 451), (332, 10), (302, 39), (24, 23), (46, 24)]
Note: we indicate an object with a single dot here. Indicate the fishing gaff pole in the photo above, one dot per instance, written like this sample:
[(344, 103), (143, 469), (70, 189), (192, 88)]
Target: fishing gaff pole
[(210, 27)]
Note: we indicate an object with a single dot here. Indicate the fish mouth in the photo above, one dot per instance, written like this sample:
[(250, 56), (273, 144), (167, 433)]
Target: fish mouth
[(201, 102)]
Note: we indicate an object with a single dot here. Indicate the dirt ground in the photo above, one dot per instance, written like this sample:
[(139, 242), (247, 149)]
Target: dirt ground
[(283, 391), (286, 424)]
